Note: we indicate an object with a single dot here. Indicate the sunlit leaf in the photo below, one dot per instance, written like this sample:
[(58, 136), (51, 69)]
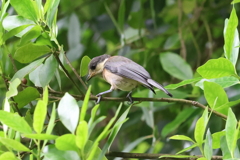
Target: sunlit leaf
[(216, 68), (66, 142), (82, 134), (30, 52), (15, 145), (68, 112), (84, 66)]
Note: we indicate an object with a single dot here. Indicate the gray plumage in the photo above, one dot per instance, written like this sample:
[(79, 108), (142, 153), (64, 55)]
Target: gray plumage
[(127, 68)]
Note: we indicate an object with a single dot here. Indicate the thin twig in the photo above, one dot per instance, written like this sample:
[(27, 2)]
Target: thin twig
[(154, 156), (183, 51), (67, 74), (194, 103), (75, 72)]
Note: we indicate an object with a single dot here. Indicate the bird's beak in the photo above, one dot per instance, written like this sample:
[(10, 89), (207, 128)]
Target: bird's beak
[(89, 76)]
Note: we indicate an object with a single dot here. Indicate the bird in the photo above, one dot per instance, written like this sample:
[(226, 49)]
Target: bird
[(121, 73)]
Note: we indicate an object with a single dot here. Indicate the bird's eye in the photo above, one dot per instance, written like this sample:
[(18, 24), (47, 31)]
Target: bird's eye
[(92, 67)]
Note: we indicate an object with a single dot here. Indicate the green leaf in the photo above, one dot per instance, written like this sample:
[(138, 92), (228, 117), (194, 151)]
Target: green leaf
[(223, 81), (27, 95), (28, 69), (231, 38), (11, 22), (235, 1), (199, 131), (30, 52), (135, 20), (52, 153), (215, 96), (82, 134), (12, 90), (182, 137), (188, 148), (231, 131), (15, 32), (52, 120), (172, 42), (31, 34), (10, 120), (15, 145), (176, 66), (85, 104), (224, 148), (121, 15), (39, 116), (8, 156), (66, 142), (208, 152), (25, 8), (216, 68), (183, 83), (47, 71), (181, 117), (41, 136), (34, 76), (216, 139), (84, 66), (51, 7), (68, 106)]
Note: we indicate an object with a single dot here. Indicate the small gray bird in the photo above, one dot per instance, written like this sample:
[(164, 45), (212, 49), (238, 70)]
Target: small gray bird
[(122, 73)]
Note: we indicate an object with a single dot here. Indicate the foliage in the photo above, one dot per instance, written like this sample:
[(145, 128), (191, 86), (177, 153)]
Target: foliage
[(47, 110)]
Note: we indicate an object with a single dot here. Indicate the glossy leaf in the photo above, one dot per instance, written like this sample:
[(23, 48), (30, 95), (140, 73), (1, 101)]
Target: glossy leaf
[(25, 8), (216, 68), (181, 117), (8, 156), (12, 90), (231, 136), (31, 34), (30, 52), (231, 37), (182, 83), (15, 145), (52, 120), (41, 136), (15, 32), (51, 7), (52, 153), (85, 104), (84, 66), (182, 137), (28, 69), (199, 131), (216, 139), (223, 81), (66, 142), (34, 76), (188, 148), (68, 106), (10, 120), (208, 146), (39, 116), (172, 42), (27, 95), (176, 66), (47, 71), (215, 96), (226, 153), (82, 134)]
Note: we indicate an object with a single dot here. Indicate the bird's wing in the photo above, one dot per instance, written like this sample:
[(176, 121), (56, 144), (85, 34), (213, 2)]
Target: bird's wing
[(127, 68)]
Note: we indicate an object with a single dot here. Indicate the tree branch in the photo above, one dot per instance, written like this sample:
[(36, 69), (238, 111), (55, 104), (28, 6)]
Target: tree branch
[(154, 156)]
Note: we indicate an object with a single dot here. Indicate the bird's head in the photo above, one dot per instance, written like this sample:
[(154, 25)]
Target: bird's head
[(96, 66)]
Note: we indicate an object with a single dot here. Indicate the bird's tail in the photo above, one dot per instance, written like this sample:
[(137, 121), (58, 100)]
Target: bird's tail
[(159, 86)]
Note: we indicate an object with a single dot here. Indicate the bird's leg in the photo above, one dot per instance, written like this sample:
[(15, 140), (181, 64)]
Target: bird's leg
[(129, 96), (99, 95)]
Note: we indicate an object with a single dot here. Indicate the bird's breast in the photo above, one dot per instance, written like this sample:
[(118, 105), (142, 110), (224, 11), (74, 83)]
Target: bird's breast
[(118, 82)]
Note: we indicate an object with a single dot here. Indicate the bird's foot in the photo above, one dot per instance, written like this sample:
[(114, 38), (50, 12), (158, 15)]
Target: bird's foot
[(129, 96), (99, 98)]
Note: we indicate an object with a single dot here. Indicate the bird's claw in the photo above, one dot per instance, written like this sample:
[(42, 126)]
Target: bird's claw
[(129, 96), (99, 98)]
